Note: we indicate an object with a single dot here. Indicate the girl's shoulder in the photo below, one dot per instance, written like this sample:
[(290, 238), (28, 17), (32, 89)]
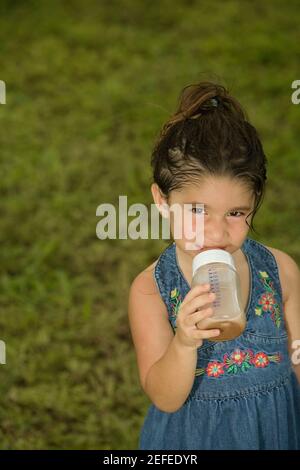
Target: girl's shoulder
[(288, 271), (144, 294), (145, 282)]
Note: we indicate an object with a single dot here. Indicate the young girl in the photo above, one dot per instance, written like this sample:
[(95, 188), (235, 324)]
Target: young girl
[(206, 394)]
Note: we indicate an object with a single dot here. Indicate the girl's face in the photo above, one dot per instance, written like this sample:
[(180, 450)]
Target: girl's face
[(224, 206)]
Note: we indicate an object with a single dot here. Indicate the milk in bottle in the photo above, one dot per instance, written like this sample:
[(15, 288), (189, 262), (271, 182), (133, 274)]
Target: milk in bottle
[(217, 268)]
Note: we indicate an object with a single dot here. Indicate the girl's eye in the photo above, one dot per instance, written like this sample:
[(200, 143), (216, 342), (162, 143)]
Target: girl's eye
[(197, 210), (237, 212)]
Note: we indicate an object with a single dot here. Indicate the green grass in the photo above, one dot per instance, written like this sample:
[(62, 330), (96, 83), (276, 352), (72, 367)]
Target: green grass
[(88, 86)]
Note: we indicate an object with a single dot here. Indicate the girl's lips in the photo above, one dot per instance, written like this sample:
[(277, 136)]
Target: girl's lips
[(212, 248)]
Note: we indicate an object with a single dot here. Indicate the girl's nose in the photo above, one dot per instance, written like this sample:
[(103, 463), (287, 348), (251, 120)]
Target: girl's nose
[(215, 232)]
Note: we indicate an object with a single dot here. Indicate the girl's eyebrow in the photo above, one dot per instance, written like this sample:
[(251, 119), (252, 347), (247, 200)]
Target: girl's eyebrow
[(237, 208)]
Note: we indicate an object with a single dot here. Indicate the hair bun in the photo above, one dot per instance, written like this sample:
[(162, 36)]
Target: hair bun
[(203, 98)]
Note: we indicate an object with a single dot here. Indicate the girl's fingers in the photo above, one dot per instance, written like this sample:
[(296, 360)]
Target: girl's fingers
[(205, 334), (195, 291), (198, 316), (198, 302)]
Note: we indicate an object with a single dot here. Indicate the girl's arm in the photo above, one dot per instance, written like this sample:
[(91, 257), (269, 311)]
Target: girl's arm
[(290, 281), (166, 362)]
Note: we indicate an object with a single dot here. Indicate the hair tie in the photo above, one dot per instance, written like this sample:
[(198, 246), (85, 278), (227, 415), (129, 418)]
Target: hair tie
[(214, 102)]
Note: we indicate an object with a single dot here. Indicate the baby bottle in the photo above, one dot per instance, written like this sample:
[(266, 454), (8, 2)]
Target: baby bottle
[(216, 267)]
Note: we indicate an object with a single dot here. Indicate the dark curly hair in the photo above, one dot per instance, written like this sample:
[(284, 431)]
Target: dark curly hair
[(209, 134)]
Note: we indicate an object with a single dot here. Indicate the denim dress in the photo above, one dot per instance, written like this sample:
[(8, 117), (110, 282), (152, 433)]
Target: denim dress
[(245, 394)]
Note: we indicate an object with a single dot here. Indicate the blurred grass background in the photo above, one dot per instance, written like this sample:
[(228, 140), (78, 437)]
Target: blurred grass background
[(89, 83)]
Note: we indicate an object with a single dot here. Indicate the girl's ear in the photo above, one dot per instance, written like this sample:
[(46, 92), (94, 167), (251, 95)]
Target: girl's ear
[(160, 201)]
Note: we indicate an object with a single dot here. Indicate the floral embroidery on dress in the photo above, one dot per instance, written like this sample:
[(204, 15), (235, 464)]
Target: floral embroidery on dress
[(176, 301), (267, 301), (238, 361)]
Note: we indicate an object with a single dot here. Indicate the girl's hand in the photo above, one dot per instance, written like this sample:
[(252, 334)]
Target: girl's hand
[(188, 316)]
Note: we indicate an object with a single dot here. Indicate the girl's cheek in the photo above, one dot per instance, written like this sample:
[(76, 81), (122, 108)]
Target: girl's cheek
[(182, 228), (188, 227), (176, 226), (194, 228)]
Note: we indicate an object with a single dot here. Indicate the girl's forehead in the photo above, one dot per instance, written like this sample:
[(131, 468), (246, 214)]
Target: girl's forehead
[(215, 189)]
